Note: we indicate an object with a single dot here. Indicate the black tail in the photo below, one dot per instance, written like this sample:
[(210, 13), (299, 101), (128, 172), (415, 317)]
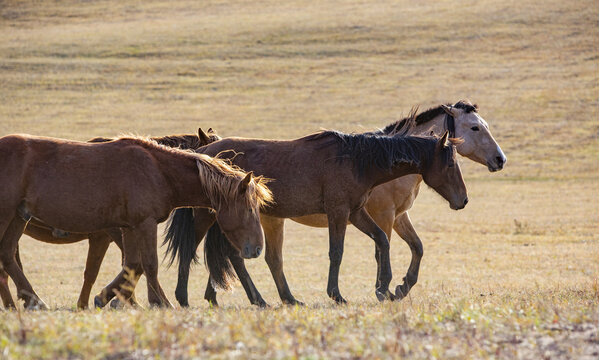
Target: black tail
[(181, 237), (216, 256)]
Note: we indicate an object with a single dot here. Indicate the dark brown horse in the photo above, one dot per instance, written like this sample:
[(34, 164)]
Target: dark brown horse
[(327, 173), (98, 241), (128, 183)]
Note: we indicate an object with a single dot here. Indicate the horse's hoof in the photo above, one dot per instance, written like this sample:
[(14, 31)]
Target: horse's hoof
[(116, 304), (383, 296), (98, 303), (400, 292), (340, 300), (293, 302), (36, 304), (262, 304)]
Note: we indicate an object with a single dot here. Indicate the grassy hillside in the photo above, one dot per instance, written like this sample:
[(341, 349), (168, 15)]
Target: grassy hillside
[(514, 274)]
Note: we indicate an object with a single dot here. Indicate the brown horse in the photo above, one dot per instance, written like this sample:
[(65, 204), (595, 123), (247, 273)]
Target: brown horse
[(128, 183), (327, 173), (388, 203), (98, 241)]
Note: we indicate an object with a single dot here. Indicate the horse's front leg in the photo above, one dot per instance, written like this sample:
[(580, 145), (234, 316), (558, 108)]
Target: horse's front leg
[(337, 226), (244, 277), (274, 234), (362, 220), (5, 291), (403, 226)]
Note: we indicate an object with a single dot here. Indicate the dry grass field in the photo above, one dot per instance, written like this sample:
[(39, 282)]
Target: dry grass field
[(514, 275)]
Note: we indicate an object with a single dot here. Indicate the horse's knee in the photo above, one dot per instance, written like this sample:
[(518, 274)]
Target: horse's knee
[(417, 249)]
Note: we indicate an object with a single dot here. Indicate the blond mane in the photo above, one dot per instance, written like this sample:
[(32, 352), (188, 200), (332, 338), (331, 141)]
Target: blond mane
[(220, 178), (222, 182)]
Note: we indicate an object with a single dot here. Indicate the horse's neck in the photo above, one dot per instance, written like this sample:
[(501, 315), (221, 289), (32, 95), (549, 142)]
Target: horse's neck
[(184, 181), (380, 176), (436, 126)]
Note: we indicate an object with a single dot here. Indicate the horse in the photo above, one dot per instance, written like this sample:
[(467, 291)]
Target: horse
[(388, 204), (98, 241), (129, 183), (325, 173)]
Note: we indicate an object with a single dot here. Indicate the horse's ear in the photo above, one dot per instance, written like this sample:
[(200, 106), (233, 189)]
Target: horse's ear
[(244, 184), (210, 130), (444, 141), (448, 109), (203, 137)]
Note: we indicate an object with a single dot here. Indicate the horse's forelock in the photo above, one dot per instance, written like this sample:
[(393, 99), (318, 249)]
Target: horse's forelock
[(222, 182)]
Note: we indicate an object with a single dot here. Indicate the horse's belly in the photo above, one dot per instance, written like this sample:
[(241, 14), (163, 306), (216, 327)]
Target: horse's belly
[(314, 220), (79, 219)]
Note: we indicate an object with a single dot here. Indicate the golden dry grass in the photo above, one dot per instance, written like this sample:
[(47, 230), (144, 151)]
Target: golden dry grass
[(515, 274)]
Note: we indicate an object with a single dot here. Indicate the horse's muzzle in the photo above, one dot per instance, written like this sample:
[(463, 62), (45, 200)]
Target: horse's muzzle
[(497, 164), (250, 252), (460, 206)]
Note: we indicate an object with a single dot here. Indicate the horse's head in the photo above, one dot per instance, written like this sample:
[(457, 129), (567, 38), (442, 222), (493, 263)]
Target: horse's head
[(443, 174), (478, 144), (239, 218)]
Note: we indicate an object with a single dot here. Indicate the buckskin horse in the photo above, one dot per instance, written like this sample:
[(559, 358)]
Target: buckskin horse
[(129, 183), (98, 241), (325, 173)]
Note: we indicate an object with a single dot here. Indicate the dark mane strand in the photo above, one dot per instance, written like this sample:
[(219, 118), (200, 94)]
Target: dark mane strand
[(384, 152), (427, 116)]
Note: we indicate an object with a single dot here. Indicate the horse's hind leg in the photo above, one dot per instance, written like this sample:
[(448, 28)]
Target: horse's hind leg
[(8, 250), (274, 232), (124, 283), (5, 291), (362, 220), (385, 221), (145, 238), (403, 226), (98, 244)]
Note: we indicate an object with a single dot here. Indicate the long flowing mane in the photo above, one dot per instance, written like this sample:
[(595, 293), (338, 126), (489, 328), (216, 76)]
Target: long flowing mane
[(220, 179), (184, 141), (426, 116), (384, 152)]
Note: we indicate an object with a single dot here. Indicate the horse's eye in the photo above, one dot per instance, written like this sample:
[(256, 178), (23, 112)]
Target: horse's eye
[(474, 128)]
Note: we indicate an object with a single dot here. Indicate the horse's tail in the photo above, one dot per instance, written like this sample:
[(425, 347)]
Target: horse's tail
[(216, 256), (181, 237)]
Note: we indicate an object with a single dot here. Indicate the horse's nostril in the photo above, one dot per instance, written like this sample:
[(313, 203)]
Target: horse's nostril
[(500, 161), (258, 251), (465, 201), (246, 251)]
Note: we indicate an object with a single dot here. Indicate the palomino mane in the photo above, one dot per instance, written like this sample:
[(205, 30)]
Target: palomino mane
[(427, 116), (220, 179), (384, 152)]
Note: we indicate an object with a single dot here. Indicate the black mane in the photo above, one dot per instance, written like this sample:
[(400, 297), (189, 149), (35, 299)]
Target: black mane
[(427, 116), (384, 152)]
